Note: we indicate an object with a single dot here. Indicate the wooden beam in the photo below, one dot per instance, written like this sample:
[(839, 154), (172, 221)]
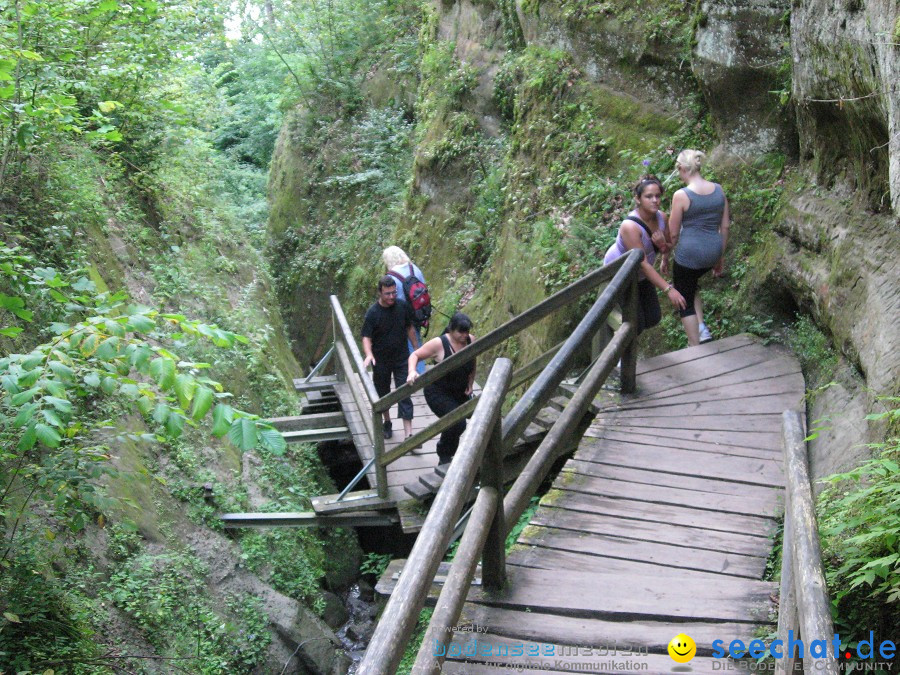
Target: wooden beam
[(317, 435), (343, 332), (513, 326), (814, 607), (353, 501), (312, 421), (544, 387), (399, 617), (315, 384), (308, 519)]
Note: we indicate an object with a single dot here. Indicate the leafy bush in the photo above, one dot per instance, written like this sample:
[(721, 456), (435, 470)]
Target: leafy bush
[(859, 522)]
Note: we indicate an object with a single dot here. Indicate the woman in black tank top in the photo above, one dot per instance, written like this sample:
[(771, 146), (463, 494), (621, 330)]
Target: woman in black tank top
[(452, 390)]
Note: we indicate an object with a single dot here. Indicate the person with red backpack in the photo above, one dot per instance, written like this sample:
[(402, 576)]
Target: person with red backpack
[(411, 289)]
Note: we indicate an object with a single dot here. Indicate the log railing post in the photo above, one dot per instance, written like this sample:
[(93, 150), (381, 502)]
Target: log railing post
[(813, 605), (493, 560), (399, 617), (629, 357)]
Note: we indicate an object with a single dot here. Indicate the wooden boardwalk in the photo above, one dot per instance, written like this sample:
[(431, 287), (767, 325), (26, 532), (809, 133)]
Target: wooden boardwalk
[(660, 524), (409, 467)]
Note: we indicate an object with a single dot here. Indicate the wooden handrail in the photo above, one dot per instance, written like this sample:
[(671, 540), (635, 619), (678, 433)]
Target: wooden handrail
[(342, 331), (804, 602), (523, 374), (544, 387), (399, 617), (547, 453), (491, 515), (510, 328), (358, 394)]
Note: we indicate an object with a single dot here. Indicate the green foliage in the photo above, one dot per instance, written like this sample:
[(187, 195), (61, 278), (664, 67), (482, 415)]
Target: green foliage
[(163, 594), (522, 522), (296, 560), (39, 621), (860, 528), (814, 350), (374, 564)]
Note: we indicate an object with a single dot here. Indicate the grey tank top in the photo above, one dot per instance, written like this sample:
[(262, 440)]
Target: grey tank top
[(700, 244)]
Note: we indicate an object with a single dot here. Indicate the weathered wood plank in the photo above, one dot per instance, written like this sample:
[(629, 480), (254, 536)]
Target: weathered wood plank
[(361, 518), (648, 476), (516, 655), (641, 530), (724, 388), (766, 403), (317, 435), (595, 633), (757, 526), (693, 463), (683, 356), (559, 560), (734, 424), (594, 438), (616, 596), (752, 439), (669, 496), (314, 421), (655, 663), (673, 556)]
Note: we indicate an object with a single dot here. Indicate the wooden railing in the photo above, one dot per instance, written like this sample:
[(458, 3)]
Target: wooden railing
[(482, 448), (804, 607), (550, 367)]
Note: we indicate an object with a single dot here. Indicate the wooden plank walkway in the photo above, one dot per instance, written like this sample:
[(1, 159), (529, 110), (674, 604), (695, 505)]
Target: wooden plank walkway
[(660, 524), (407, 468)]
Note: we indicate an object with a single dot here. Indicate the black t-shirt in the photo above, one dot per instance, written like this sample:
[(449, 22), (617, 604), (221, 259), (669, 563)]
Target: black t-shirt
[(386, 326)]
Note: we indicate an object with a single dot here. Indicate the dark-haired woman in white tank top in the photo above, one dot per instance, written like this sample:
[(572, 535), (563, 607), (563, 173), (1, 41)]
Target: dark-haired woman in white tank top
[(698, 223)]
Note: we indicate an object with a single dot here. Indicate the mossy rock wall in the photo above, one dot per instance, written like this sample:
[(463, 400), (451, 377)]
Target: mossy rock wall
[(846, 69)]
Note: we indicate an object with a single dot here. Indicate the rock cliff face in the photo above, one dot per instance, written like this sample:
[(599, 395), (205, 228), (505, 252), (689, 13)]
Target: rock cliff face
[(529, 110)]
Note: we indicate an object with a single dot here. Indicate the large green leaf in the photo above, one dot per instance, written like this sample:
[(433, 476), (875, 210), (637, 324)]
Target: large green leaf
[(185, 386), (60, 404), (272, 440), (48, 435), (24, 396), (222, 417), (25, 415), (140, 323), (243, 433), (175, 424), (108, 349), (28, 438), (203, 401), (162, 369)]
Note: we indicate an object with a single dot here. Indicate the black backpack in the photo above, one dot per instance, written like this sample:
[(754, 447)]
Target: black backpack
[(416, 293)]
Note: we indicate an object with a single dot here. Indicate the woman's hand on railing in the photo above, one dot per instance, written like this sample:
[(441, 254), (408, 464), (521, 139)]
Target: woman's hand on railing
[(412, 377)]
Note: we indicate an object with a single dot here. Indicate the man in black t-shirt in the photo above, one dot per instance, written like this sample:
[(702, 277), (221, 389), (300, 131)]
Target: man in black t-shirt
[(386, 328)]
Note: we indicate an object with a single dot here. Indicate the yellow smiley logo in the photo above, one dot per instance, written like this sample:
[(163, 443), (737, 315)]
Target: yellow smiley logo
[(682, 648)]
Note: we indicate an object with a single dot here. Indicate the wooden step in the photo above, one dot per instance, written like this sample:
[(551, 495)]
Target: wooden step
[(320, 383)]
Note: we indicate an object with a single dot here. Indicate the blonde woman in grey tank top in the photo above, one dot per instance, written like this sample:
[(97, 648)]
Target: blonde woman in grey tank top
[(698, 224)]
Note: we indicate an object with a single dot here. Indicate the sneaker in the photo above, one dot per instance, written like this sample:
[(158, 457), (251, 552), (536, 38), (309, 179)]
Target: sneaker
[(388, 429), (705, 335)]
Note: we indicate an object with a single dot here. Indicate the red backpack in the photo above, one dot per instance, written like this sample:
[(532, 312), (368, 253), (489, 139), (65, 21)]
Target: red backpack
[(416, 293)]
